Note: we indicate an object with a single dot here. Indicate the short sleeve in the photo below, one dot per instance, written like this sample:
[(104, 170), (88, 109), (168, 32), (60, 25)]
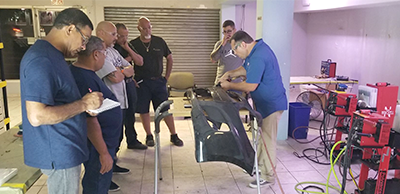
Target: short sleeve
[(40, 81), (217, 55), (125, 63), (166, 49), (107, 68)]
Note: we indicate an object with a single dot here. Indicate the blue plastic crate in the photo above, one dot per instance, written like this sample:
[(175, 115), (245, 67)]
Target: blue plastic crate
[(299, 116)]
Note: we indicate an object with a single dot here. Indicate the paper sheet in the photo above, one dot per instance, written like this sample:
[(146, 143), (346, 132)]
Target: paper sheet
[(107, 105)]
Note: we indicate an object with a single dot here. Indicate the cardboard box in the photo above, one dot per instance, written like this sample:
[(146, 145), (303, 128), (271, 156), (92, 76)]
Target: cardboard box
[(328, 68)]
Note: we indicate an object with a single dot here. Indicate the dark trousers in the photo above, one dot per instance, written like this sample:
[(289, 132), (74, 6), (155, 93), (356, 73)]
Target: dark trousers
[(129, 116), (93, 182)]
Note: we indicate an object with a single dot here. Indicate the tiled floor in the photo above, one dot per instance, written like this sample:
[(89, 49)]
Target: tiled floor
[(183, 175)]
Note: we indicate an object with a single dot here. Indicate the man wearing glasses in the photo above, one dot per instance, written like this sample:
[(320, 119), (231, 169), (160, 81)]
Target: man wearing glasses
[(223, 54), (113, 73), (53, 119), (264, 82), (104, 129)]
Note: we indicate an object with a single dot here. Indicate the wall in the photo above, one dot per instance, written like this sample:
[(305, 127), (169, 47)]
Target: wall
[(246, 18), (299, 45), (364, 43), (228, 12)]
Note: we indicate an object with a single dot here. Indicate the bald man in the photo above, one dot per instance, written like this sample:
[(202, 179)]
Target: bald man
[(152, 85), (113, 73)]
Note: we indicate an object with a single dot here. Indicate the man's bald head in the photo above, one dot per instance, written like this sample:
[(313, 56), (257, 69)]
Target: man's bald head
[(107, 32), (105, 26), (143, 20), (144, 27)]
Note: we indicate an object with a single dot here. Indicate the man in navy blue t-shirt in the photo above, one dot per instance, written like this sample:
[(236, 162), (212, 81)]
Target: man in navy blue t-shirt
[(264, 82), (52, 108), (104, 129)]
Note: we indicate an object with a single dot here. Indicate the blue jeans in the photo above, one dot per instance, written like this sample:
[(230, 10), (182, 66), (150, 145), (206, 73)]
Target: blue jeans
[(93, 181), (63, 181)]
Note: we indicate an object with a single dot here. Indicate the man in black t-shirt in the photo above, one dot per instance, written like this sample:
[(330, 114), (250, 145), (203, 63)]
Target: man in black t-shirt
[(127, 51), (152, 85)]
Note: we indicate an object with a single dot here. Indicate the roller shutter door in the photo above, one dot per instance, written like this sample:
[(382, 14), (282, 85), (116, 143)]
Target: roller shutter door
[(189, 33)]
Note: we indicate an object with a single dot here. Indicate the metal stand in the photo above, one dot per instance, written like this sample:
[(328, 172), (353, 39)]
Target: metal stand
[(255, 135), (157, 160)]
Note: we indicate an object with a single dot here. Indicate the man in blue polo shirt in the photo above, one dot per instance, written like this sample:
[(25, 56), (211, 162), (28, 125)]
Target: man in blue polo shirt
[(264, 82), (54, 124)]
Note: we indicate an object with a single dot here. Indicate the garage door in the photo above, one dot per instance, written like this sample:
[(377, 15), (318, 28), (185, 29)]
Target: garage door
[(189, 33)]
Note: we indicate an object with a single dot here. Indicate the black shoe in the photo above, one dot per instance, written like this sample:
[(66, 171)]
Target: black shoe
[(113, 187), (119, 170), (176, 141), (137, 146), (150, 140)]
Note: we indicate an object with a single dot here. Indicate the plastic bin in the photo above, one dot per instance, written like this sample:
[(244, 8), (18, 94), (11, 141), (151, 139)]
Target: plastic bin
[(299, 116)]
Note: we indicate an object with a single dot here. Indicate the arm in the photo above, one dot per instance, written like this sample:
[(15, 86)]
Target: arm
[(215, 54), (42, 114), (96, 137), (116, 76), (242, 86), (136, 58), (169, 66), (240, 71), (128, 58), (128, 71)]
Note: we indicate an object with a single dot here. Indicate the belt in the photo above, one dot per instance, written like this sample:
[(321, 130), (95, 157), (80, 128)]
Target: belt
[(129, 80)]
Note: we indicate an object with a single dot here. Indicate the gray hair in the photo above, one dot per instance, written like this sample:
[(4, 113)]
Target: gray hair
[(95, 43)]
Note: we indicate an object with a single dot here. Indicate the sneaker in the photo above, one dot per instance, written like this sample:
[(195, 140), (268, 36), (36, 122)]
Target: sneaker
[(262, 183), (150, 140), (19, 134), (113, 187), (176, 141), (119, 170), (253, 173), (137, 146)]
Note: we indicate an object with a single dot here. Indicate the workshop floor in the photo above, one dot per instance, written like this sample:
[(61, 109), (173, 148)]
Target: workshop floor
[(182, 174)]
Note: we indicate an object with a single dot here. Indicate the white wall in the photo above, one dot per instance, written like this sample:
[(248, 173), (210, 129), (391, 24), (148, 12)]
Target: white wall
[(299, 45), (364, 43), (246, 18), (319, 5), (228, 12)]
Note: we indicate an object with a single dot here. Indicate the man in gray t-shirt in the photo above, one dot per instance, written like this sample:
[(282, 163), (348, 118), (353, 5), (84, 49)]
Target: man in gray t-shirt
[(223, 52)]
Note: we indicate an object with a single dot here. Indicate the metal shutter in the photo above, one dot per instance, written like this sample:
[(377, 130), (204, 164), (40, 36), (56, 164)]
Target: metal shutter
[(189, 33)]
